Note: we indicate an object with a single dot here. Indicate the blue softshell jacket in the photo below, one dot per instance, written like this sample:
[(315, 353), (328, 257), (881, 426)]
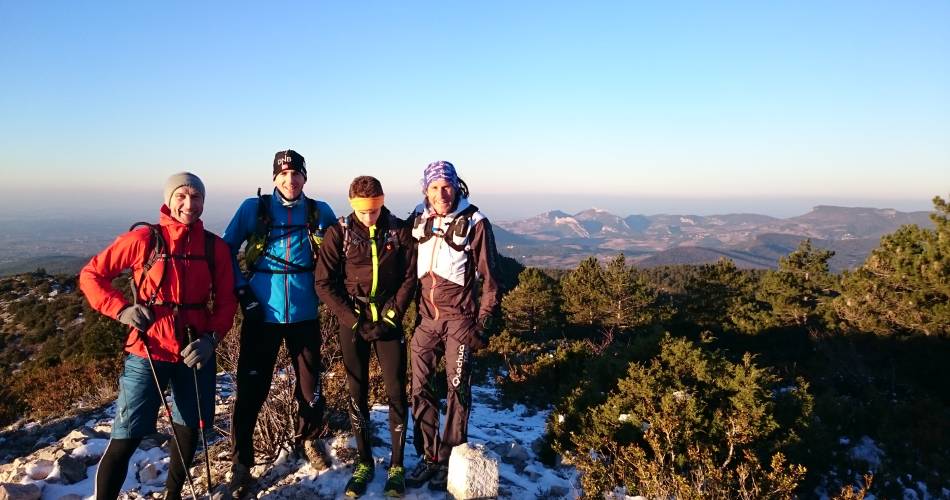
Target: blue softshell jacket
[(287, 298)]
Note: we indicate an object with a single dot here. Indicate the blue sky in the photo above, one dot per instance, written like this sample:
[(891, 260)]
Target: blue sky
[(687, 107)]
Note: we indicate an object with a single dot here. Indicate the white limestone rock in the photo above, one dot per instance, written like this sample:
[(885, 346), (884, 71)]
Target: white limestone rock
[(10, 491), (51, 453), (78, 437), (39, 469), (473, 473), (70, 470), (148, 473), (516, 455)]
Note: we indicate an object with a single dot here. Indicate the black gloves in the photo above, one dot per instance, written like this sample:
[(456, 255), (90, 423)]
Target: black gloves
[(384, 329), (250, 307), (136, 316), (378, 330), (197, 353), (477, 338), (373, 331)]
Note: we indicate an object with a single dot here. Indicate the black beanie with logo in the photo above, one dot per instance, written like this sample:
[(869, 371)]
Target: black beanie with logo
[(289, 160)]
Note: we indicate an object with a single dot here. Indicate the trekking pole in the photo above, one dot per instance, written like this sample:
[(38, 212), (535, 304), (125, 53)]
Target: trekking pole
[(201, 421), (168, 413)]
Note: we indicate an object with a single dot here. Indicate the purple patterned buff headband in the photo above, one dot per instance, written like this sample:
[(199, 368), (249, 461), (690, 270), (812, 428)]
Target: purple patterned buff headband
[(439, 170)]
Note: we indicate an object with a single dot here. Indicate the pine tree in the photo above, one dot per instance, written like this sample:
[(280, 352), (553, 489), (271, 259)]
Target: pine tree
[(631, 298), (721, 296), (534, 304), (904, 285), (802, 288), (583, 291)]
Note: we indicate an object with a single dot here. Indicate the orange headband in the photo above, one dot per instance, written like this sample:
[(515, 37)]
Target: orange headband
[(366, 203)]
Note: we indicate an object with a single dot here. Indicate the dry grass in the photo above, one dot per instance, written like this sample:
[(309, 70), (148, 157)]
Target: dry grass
[(55, 391), (275, 424)]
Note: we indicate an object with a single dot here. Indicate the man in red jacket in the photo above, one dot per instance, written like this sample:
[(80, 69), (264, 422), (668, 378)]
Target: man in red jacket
[(184, 283)]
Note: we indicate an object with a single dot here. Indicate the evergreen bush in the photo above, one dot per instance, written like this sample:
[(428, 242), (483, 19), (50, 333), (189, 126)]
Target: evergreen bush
[(689, 424)]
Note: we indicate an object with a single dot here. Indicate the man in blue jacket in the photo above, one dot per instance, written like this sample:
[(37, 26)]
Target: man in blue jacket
[(279, 303)]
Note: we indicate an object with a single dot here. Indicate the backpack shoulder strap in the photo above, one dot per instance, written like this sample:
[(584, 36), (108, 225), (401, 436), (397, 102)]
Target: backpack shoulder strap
[(155, 249), (313, 215), (395, 224), (345, 227), (209, 257), (462, 222), (460, 228), (424, 233), (315, 229), (151, 249), (264, 219)]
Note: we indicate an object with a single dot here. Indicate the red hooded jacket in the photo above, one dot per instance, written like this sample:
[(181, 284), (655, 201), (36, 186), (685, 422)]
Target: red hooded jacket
[(186, 281)]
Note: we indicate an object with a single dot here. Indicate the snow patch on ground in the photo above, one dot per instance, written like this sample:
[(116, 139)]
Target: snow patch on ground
[(511, 433), (92, 448), (490, 425), (867, 451)]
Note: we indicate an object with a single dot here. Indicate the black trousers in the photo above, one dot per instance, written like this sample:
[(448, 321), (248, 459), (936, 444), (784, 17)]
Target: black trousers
[(391, 355), (260, 344), (431, 341), (114, 464)]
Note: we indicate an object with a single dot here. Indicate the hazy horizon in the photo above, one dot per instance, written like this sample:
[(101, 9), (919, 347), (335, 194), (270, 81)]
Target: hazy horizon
[(220, 207)]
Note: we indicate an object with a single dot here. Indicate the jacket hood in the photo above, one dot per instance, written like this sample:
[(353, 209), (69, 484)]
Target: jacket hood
[(175, 226)]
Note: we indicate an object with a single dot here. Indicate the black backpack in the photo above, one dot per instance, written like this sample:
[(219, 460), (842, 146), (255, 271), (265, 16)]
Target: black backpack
[(392, 233), (459, 227), (157, 249), (256, 248)]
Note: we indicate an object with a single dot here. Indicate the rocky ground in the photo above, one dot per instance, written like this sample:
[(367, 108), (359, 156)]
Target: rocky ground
[(58, 460)]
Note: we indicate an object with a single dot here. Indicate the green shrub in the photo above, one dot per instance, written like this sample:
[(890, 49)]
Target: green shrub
[(688, 424)]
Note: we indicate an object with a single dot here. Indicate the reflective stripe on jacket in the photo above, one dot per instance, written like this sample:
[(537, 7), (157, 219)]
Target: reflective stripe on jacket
[(346, 282)]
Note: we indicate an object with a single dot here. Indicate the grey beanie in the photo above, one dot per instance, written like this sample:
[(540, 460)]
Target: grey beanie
[(182, 179)]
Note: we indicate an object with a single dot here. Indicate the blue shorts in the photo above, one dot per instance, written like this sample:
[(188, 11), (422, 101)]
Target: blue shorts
[(138, 404)]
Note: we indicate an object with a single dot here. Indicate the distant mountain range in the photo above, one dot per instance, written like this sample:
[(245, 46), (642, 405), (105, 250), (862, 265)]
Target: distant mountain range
[(551, 239), (558, 239)]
